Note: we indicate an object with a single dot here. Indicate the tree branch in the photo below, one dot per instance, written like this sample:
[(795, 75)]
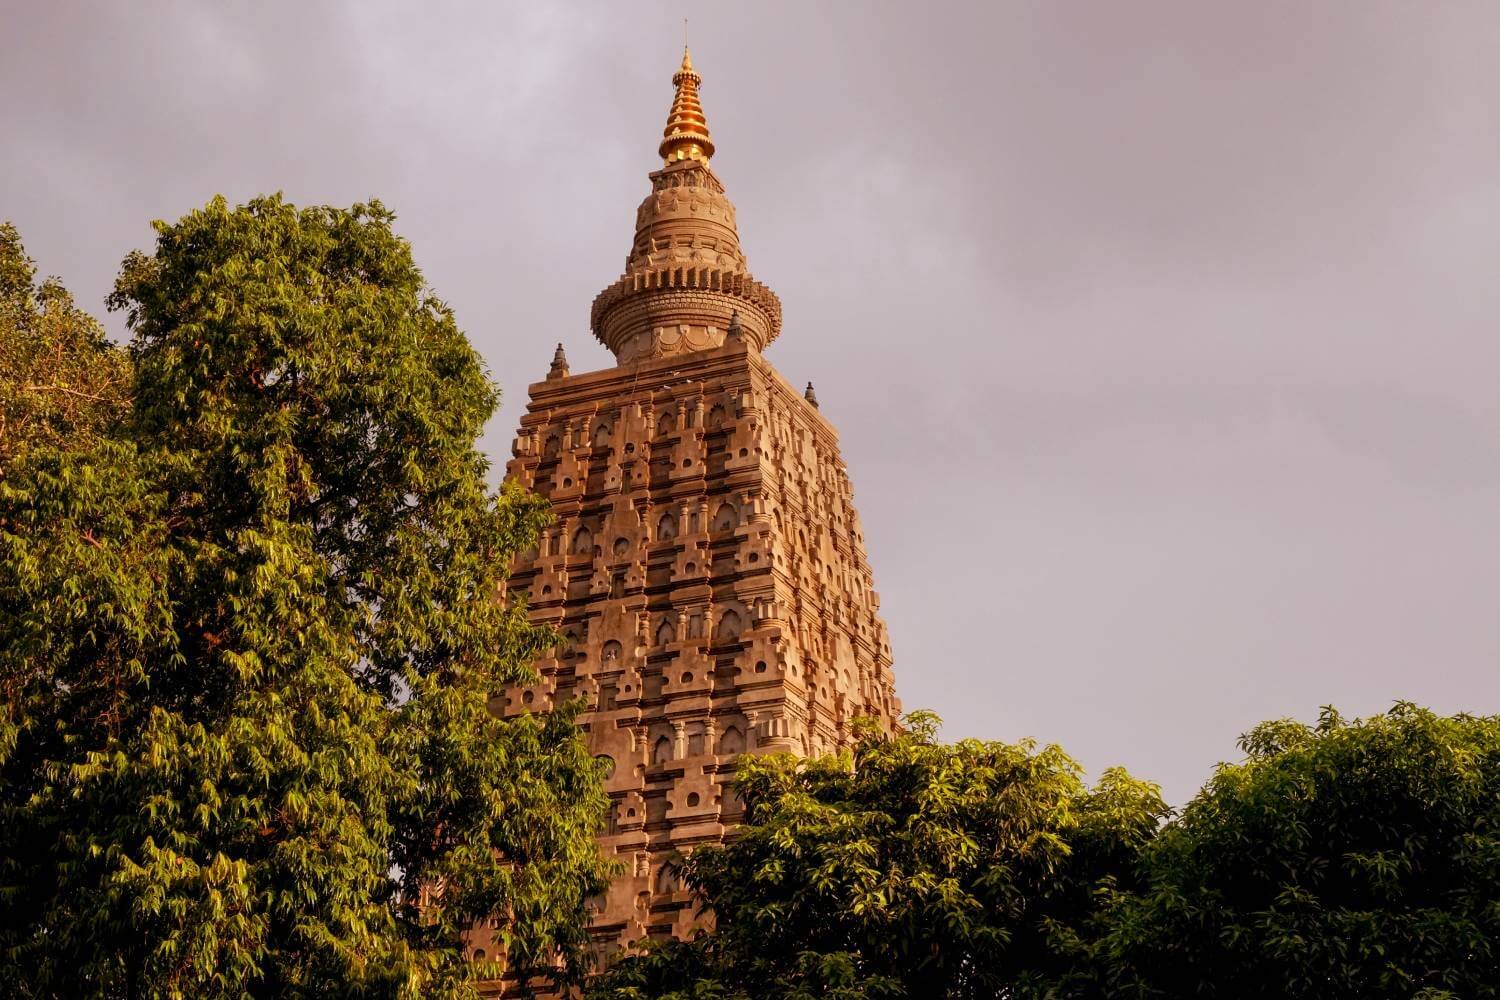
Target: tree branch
[(35, 387)]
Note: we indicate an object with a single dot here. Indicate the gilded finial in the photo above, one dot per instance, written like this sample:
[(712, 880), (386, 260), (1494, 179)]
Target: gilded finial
[(686, 135)]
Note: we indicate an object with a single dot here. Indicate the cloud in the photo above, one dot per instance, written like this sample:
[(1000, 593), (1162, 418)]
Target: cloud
[(1161, 335)]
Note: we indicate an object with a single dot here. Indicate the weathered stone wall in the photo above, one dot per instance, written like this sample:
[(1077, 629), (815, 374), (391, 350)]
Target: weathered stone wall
[(708, 569)]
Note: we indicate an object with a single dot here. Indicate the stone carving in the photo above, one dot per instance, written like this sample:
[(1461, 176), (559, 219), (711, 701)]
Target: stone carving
[(735, 563)]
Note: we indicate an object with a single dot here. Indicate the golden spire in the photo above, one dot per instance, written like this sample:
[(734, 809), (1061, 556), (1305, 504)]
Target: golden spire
[(686, 135)]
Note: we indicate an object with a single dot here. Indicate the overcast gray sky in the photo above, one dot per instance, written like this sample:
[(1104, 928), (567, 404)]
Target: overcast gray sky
[(1163, 336)]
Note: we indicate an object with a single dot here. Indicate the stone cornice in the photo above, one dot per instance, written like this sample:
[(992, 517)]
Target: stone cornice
[(657, 295)]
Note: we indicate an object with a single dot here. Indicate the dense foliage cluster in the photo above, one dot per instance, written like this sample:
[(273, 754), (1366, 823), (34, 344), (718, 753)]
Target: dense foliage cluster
[(1346, 859), (910, 868), (1342, 860), (60, 380), (248, 630)]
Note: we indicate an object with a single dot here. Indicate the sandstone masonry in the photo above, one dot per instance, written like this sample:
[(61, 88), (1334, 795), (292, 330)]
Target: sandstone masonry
[(706, 566)]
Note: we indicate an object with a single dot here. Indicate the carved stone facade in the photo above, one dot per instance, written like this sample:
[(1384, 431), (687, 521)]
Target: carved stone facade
[(706, 565)]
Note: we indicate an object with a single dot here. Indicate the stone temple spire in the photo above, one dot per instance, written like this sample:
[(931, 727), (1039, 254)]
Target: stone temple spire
[(685, 276), (705, 568), (559, 367)]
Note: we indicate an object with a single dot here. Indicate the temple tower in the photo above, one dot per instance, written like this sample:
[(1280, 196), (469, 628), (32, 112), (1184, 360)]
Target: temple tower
[(706, 566)]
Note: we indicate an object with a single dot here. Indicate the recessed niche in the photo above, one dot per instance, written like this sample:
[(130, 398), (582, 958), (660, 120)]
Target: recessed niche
[(692, 798)]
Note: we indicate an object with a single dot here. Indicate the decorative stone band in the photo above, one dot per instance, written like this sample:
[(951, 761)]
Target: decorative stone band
[(688, 173), (679, 310), (686, 209)]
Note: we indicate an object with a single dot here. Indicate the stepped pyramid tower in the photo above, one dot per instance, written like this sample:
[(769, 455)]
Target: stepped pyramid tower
[(706, 565)]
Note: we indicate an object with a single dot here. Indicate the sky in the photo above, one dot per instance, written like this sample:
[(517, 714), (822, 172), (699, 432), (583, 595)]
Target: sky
[(1163, 337)]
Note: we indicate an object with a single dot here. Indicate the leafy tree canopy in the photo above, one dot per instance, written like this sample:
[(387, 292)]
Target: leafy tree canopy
[(60, 380), (910, 868), (1345, 859), (246, 640)]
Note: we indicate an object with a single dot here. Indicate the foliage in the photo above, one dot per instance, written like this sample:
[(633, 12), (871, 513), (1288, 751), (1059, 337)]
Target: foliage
[(249, 624), (60, 380), (246, 642), (910, 869), (1348, 859)]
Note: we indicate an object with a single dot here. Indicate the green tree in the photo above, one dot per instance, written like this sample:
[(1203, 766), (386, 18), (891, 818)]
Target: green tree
[(246, 643), (61, 382), (1347, 859), (910, 868)]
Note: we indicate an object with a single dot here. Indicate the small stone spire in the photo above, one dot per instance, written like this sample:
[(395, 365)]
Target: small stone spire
[(811, 396), (686, 135), (559, 367), (736, 331)]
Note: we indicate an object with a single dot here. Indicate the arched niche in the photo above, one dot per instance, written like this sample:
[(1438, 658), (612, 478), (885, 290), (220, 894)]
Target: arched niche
[(667, 881), (661, 750), (583, 542), (730, 625), (732, 740), (666, 632)]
